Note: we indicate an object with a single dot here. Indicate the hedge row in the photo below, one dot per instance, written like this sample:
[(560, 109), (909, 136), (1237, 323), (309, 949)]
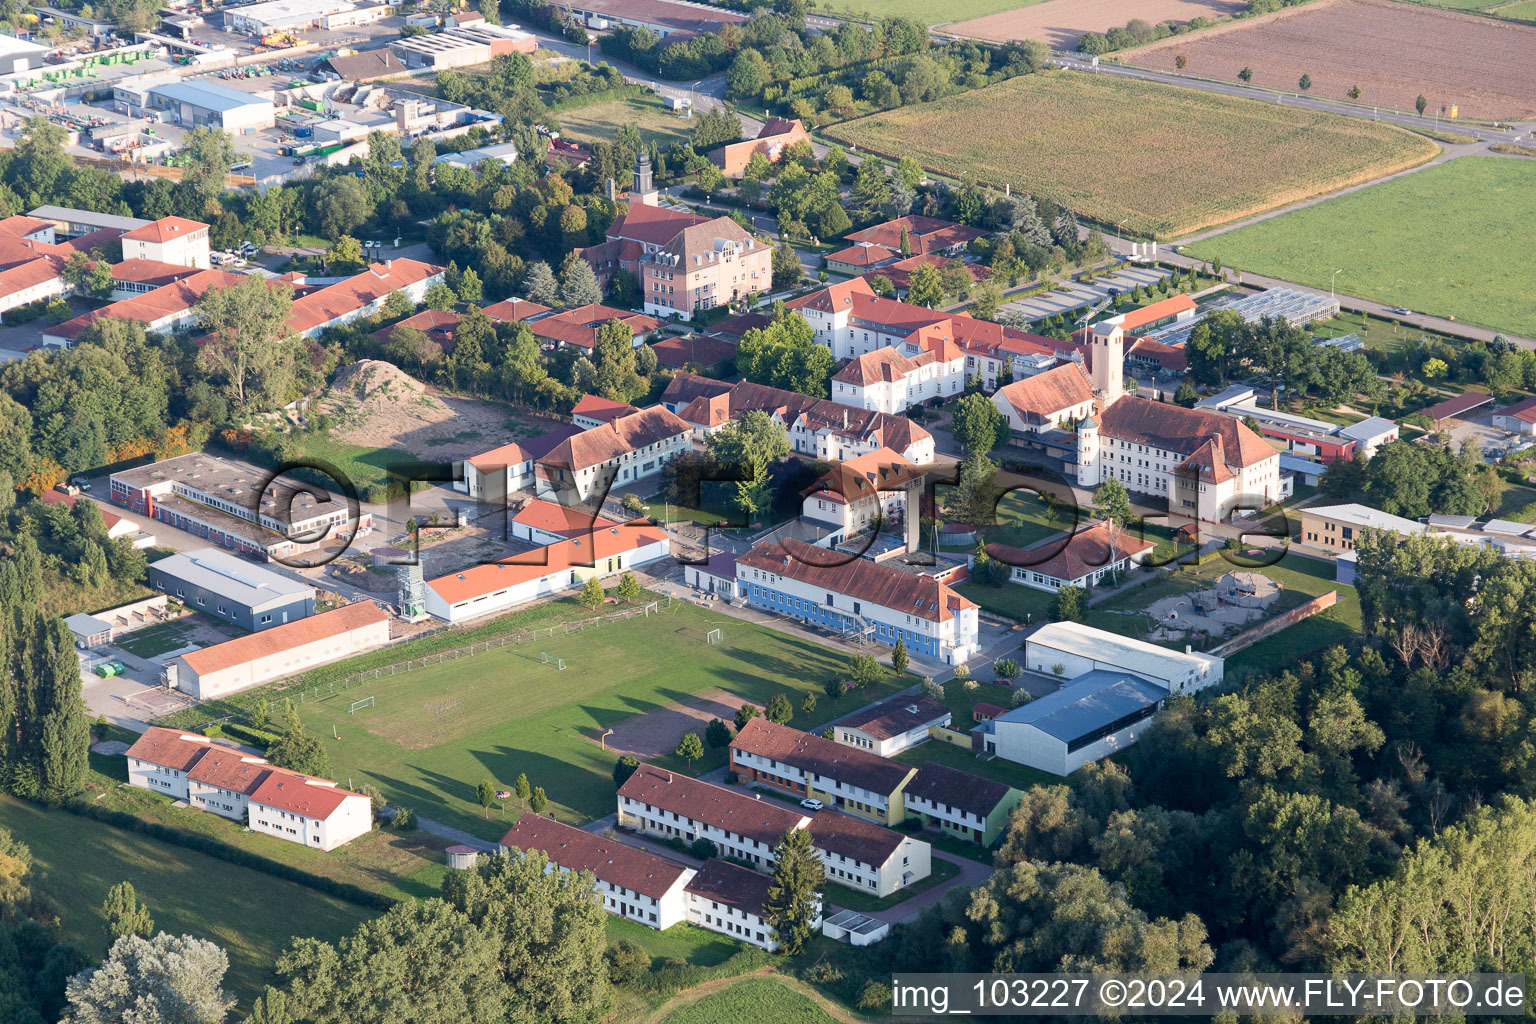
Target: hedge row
[(231, 854)]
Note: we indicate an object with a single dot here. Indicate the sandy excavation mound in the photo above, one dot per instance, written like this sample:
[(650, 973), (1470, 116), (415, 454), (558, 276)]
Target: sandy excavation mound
[(375, 404)]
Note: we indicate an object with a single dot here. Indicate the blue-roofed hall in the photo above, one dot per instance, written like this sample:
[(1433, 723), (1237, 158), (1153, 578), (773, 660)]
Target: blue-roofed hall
[(1092, 716)]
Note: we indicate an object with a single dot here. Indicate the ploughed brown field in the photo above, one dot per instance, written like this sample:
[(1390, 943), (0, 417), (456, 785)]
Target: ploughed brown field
[(1394, 52), (1061, 23)]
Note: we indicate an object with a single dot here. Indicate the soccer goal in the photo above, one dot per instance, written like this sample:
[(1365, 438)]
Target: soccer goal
[(712, 637), (550, 659), (358, 705)]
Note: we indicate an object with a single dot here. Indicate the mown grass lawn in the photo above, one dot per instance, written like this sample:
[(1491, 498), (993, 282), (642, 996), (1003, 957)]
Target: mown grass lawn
[(1443, 241), (433, 734), (689, 943), (1009, 773), (764, 1000), (253, 916), (601, 121)]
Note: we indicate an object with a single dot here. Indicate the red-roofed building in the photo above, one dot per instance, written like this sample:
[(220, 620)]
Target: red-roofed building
[(889, 381), (579, 325), (169, 240), (164, 310), (497, 586), (514, 310), (633, 884), (1456, 408), (877, 483), (859, 596), (1178, 307), (703, 266), (32, 228), (855, 780), (1520, 417), (362, 295), (900, 272), (1047, 401), (1080, 558), (36, 280), (678, 352), (618, 454), (859, 259), (776, 135), (924, 234), (138, 276), (278, 802), (593, 411), (315, 812), (549, 522), (279, 652), (436, 324), (492, 475)]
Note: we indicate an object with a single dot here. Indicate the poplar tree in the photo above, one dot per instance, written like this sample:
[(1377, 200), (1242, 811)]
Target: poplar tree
[(793, 898)]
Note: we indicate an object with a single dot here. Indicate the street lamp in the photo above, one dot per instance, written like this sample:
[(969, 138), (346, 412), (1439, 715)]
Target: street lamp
[(691, 97), (1332, 279)]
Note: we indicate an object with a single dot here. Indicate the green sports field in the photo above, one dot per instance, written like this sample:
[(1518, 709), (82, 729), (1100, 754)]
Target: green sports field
[(1451, 240), (432, 735), (253, 916)]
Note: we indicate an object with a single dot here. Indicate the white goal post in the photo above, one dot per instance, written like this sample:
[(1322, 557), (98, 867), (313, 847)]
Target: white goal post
[(550, 659), (712, 637), (358, 705)]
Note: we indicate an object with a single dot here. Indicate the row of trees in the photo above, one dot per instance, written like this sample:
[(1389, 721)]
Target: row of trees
[(1415, 480), (1223, 343)]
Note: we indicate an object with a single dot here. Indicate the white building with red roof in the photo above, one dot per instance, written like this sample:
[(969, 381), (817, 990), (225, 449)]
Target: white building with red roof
[(594, 411), (615, 454), (633, 884), (1080, 558), (277, 802), (279, 652), (858, 596), (1048, 401), (303, 809), (492, 475), (496, 586), (169, 240), (549, 522), (1520, 417), (889, 381), (855, 491)]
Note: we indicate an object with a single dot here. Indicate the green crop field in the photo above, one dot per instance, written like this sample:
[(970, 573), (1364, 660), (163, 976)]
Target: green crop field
[(1445, 241), (755, 999), (433, 734), (1152, 159), (253, 916), (920, 11)]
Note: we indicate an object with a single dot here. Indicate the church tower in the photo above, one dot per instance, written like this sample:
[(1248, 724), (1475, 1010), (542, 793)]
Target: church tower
[(1108, 358), (643, 191)]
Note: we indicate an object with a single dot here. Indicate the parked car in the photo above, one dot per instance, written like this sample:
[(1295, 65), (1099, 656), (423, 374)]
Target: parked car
[(811, 804), (81, 482), (1403, 311)]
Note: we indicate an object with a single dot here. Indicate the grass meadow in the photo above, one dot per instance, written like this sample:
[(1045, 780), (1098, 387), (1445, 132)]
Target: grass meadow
[(433, 734), (1444, 241), (765, 999), (253, 916), (1151, 159)]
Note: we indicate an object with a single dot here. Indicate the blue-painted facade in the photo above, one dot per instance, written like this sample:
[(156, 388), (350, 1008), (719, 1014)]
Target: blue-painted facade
[(780, 603)]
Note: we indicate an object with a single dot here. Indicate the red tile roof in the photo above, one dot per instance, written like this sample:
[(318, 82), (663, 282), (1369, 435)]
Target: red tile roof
[(169, 748), (109, 519), (863, 255), (939, 784), (894, 717), (29, 275), (230, 769), (1151, 313), (865, 476), (733, 885), (764, 821), (1453, 407), (619, 865), (1184, 431), (817, 755), (924, 234), (900, 272), (858, 840), (20, 225), (1037, 399), (1524, 411), (678, 351), (514, 310), (286, 637), (164, 230), (152, 272), (1168, 357), (605, 409), (528, 450), (332, 302), (566, 520), (576, 552), (713, 407), (579, 326), (906, 592), (1073, 556), (607, 442), (300, 794), (652, 225), (172, 300)]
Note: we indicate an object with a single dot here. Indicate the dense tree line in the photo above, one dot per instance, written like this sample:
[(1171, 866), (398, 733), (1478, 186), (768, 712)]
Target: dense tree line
[(1139, 31), (35, 960), (1415, 480), (1223, 343)]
